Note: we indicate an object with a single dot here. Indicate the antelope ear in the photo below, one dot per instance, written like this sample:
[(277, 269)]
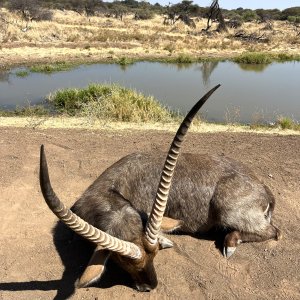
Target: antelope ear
[(95, 267), (168, 225)]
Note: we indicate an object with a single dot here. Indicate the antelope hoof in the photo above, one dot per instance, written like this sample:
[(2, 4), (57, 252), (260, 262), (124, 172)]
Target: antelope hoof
[(278, 235), (228, 251)]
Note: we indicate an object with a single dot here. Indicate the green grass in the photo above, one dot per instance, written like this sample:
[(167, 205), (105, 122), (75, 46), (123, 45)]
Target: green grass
[(124, 61), (283, 57), (110, 102), (264, 58), (51, 68), (282, 123), (26, 111), (253, 58), (23, 73), (288, 123), (184, 59)]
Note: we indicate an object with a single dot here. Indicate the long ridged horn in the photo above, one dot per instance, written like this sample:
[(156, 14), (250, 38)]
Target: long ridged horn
[(159, 205), (81, 227)]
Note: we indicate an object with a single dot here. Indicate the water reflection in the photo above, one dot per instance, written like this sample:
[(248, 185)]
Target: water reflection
[(273, 89), (253, 67), (4, 75), (182, 66), (206, 69), (125, 67)]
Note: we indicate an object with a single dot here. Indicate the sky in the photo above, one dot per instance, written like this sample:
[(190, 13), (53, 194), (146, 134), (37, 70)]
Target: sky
[(231, 4)]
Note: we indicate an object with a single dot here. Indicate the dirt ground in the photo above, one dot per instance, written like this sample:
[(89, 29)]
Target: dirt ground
[(33, 266)]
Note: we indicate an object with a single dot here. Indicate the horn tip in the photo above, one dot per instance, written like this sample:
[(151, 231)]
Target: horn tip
[(42, 149)]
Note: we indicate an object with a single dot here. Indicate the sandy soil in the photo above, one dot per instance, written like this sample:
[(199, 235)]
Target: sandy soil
[(33, 266)]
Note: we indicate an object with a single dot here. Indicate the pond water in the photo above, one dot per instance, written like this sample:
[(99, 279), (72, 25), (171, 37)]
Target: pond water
[(249, 93)]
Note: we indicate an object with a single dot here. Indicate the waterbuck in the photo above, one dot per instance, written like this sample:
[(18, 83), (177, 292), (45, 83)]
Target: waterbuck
[(207, 191), (119, 229)]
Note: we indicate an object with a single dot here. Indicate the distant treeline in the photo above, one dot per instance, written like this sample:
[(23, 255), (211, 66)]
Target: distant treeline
[(145, 10)]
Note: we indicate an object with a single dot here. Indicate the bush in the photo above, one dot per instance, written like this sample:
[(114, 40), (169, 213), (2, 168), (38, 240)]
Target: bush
[(184, 59), (124, 61), (249, 16), (26, 111), (292, 11), (29, 10), (50, 68), (288, 123), (143, 14), (110, 102), (22, 73), (253, 58), (235, 22), (293, 19)]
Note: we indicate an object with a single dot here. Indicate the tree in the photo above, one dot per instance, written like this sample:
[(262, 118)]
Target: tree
[(117, 10), (181, 11), (249, 15), (29, 10), (91, 7), (215, 14), (292, 11), (143, 14)]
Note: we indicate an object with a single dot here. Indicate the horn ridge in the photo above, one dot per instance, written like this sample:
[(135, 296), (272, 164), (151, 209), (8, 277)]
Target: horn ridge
[(160, 202), (80, 226)]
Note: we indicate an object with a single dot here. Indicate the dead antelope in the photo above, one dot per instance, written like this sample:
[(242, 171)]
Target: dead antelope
[(207, 191), (119, 229)]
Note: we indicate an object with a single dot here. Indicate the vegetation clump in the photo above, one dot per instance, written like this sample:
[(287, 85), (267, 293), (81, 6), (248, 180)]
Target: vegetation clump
[(26, 111), (261, 58), (51, 68), (22, 73), (110, 102), (184, 59), (253, 58), (124, 61), (288, 123)]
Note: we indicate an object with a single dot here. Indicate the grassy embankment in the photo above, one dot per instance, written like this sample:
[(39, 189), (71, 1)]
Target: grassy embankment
[(245, 58), (113, 103), (99, 101)]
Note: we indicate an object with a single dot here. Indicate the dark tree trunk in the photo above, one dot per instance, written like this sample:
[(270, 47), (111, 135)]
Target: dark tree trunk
[(215, 14)]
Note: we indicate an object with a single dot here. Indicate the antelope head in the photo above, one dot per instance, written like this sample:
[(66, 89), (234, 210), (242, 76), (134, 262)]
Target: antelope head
[(136, 257)]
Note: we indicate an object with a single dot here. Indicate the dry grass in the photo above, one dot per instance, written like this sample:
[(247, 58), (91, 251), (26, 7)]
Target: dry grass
[(84, 123), (71, 36)]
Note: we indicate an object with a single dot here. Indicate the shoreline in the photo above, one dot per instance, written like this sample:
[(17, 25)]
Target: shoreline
[(24, 57), (83, 123)]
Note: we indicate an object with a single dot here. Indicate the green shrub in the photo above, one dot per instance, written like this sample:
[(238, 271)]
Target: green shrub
[(22, 73), (254, 58), (26, 111), (184, 59), (50, 68), (286, 123), (123, 61), (293, 19), (110, 102), (143, 14)]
